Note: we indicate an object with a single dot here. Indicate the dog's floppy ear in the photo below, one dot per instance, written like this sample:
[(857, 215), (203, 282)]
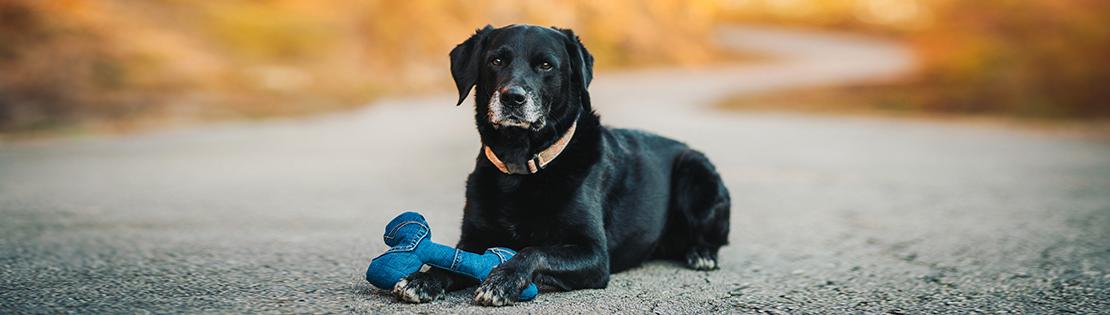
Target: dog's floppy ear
[(582, 63), (465, 60)]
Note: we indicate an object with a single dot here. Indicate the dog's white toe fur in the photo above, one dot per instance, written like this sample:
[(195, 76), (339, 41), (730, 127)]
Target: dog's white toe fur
[(486, 297), (402, 291), (702, 263)]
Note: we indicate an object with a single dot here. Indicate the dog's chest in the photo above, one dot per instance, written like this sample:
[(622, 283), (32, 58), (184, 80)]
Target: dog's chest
[(529, 212), (530, 224), (531, 230)]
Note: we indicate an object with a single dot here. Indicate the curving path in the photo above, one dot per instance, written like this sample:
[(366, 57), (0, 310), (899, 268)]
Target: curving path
[(831, 214)]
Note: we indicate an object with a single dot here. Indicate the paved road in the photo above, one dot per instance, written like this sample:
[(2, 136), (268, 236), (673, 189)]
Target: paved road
[(831, 214)]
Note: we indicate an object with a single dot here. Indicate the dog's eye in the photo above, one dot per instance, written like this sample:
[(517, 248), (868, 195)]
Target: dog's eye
[(545, 66), (495, 61)]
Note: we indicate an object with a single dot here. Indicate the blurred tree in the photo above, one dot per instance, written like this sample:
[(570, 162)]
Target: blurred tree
[(1034, 58), (1038, 58), (71, 61)]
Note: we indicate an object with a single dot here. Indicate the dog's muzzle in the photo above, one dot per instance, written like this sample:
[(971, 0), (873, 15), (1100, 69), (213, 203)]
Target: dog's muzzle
[(514, 107)]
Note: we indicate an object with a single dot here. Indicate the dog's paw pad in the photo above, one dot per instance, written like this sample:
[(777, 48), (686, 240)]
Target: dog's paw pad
[(701, 259)]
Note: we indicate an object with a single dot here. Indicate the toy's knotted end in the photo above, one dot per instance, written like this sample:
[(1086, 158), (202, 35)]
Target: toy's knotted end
[(392, 230), (503, 254), (529, 293)]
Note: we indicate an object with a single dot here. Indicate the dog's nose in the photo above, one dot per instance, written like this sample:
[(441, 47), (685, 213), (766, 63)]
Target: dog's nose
[(513, 96)]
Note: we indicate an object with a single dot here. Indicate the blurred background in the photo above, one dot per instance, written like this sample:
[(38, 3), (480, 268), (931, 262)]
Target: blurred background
[(75, 65)]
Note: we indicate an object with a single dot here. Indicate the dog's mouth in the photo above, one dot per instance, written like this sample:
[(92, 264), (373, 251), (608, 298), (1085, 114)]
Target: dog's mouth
[(517, 122)]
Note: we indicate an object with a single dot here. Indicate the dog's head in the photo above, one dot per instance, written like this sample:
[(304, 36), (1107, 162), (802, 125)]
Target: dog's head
[(526, 76)]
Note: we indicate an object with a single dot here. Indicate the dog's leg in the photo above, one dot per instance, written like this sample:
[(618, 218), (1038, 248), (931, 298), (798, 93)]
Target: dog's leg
[(568, 267), (698, 222)]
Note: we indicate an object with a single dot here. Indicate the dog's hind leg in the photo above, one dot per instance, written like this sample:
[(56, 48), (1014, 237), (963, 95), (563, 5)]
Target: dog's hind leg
[(698, 219)]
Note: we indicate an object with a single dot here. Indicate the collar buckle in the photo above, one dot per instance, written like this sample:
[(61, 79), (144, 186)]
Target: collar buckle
[(535, 164)]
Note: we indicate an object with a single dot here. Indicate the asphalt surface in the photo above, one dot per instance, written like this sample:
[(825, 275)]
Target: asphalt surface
[(830, 214)]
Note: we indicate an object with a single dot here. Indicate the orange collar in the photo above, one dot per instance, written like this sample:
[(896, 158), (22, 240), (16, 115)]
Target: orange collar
[(538, 161)]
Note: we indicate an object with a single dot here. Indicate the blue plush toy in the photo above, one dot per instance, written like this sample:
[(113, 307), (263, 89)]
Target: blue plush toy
[(411, 244)]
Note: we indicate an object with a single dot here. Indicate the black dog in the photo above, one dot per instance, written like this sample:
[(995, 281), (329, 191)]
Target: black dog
[(576, 199)]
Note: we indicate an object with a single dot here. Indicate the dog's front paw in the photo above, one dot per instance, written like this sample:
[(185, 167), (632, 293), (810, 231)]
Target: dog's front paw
[(419, 288), (502, 287)]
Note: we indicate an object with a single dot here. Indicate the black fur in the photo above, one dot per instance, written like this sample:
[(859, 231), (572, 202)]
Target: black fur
[(613, 199)]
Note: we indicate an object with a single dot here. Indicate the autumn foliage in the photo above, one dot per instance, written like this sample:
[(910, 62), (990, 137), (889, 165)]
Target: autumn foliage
[(79, 61), (1032, 58)]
